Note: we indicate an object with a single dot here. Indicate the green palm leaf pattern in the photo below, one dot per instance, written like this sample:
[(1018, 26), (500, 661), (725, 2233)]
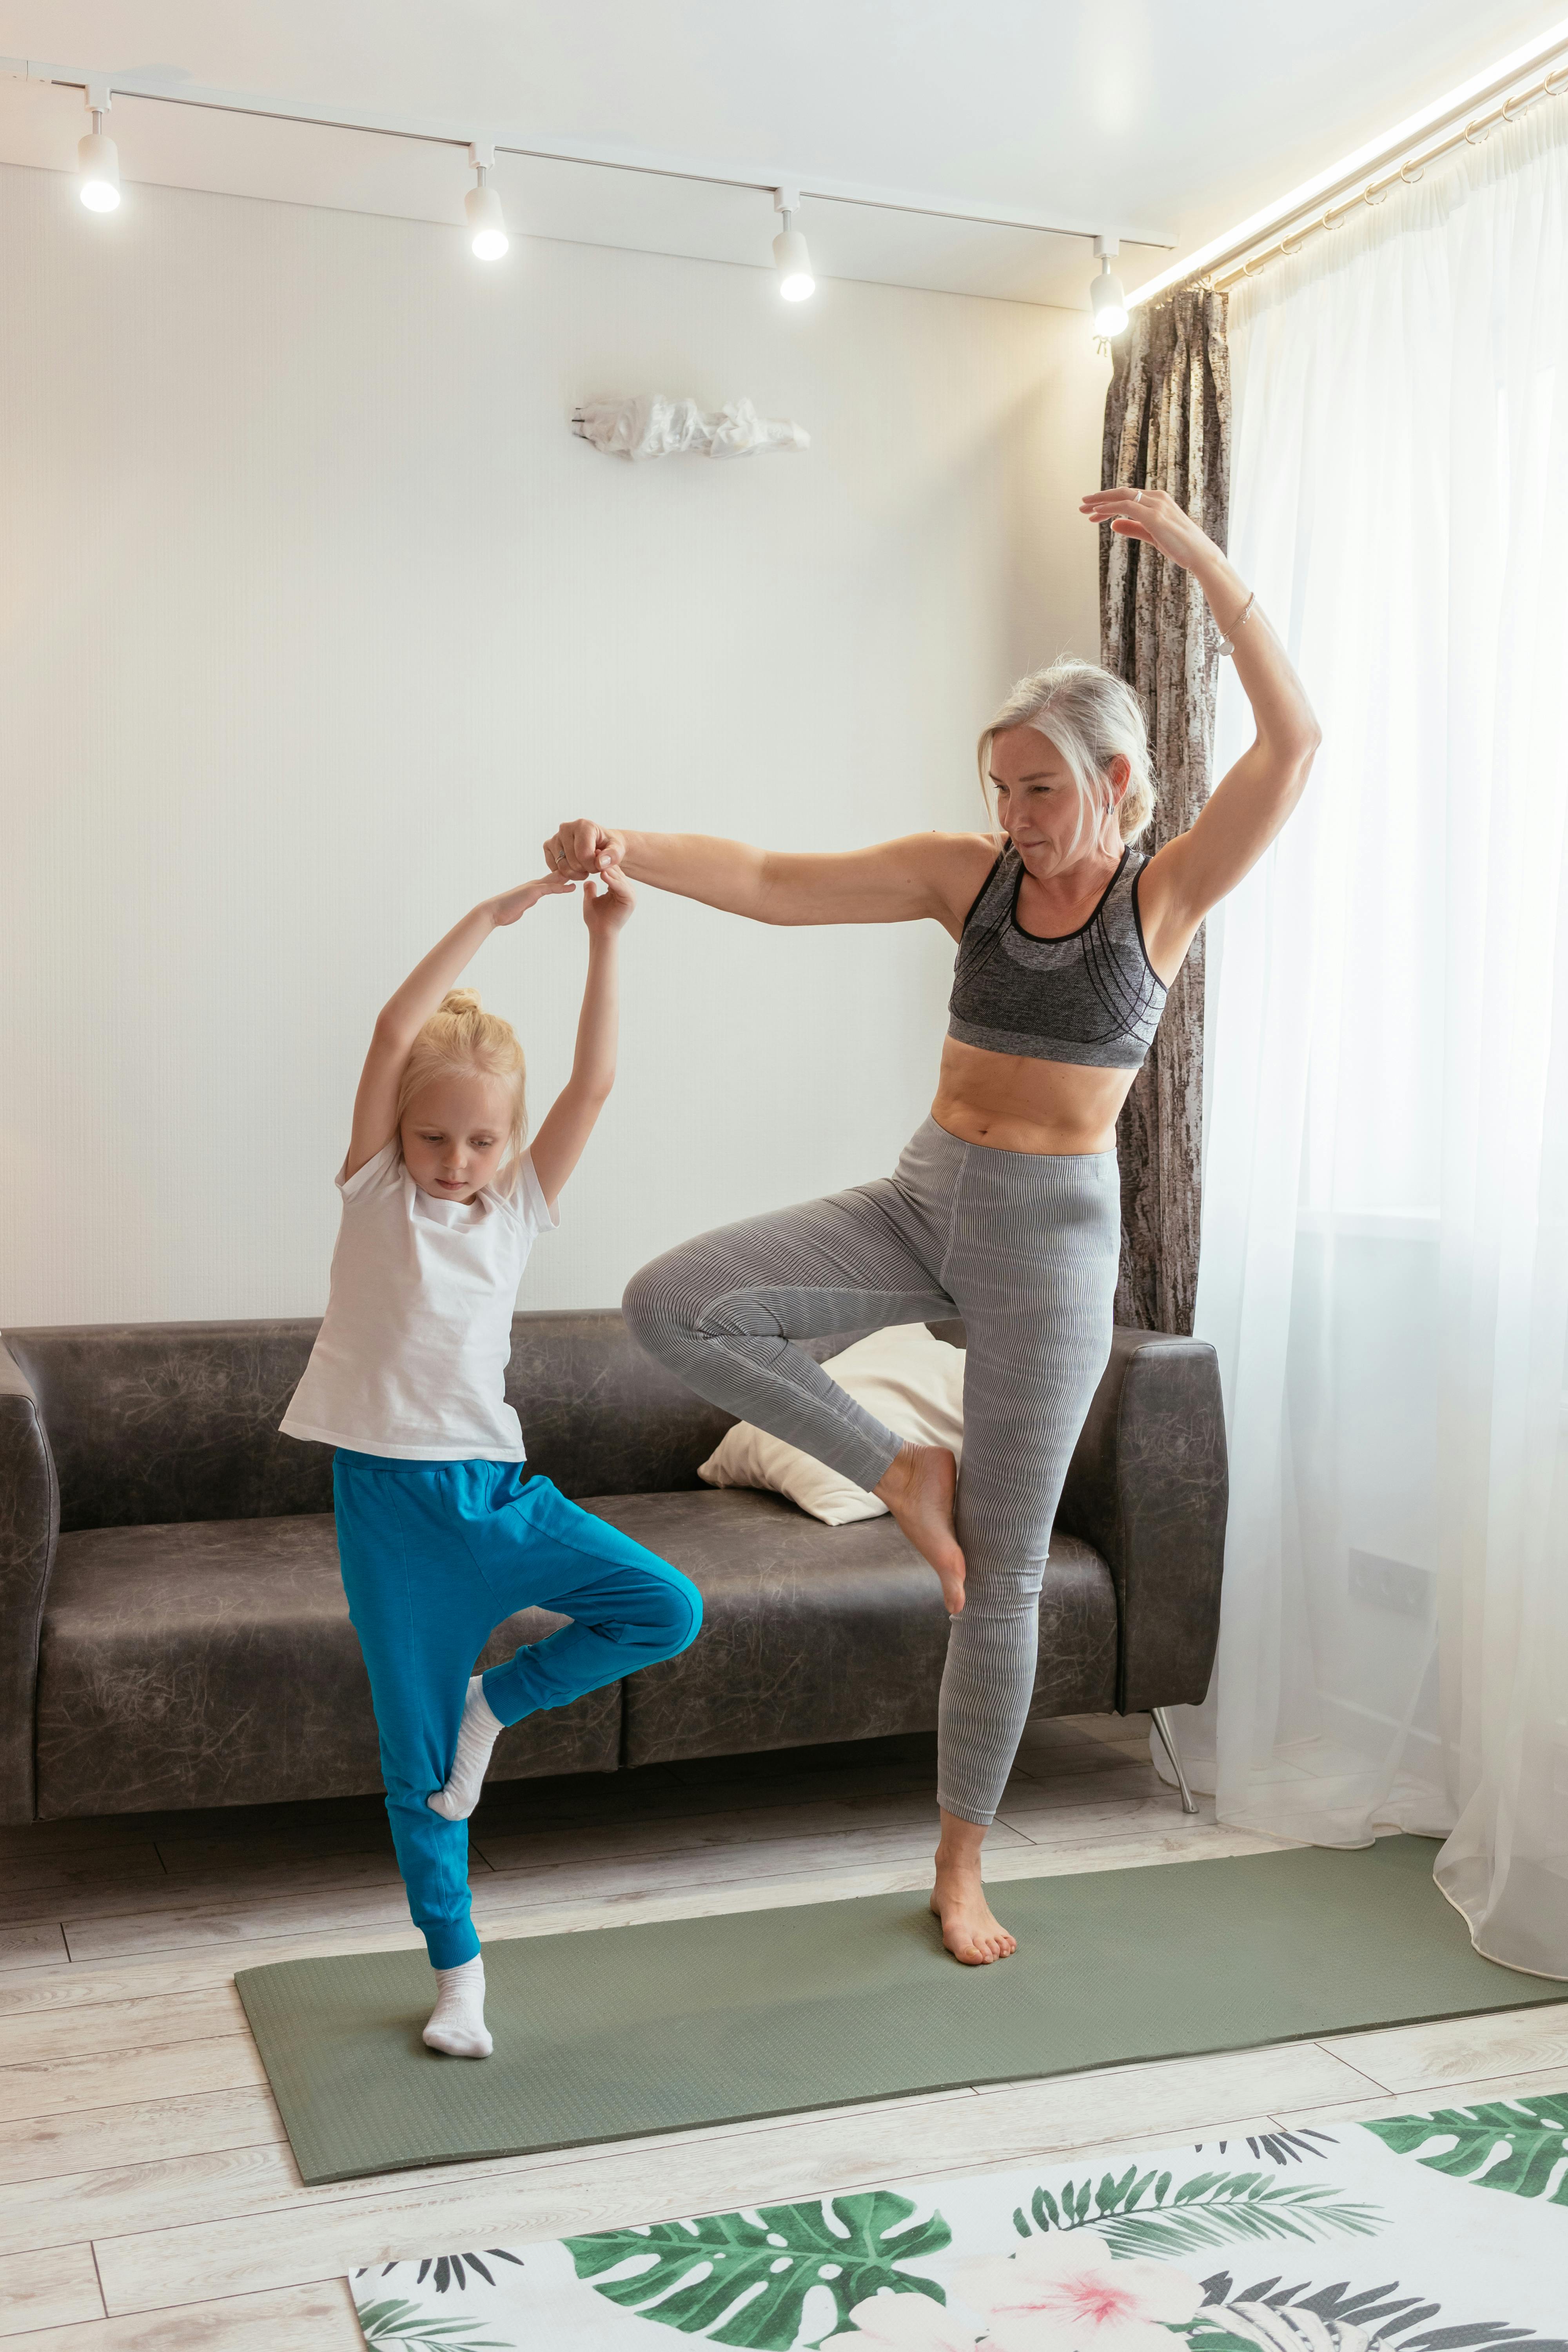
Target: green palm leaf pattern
[(1272, 2313), (448, 2269), (1281, 2146), (745, 2280), (1215, 2209), (1519, 2146), (402, 2324)]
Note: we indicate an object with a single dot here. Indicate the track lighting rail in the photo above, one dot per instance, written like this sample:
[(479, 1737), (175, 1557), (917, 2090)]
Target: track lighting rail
[(157, 89)]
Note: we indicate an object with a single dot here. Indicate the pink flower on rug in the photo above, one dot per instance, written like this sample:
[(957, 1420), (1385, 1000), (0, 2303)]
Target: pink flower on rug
[(1066, 2292), (907, 2323)]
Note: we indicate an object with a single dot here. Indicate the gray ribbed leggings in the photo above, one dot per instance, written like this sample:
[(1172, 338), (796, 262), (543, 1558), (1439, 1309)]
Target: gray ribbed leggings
[(1023, 1245)]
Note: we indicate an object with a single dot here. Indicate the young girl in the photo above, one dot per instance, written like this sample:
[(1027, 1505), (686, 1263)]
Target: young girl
[(442, 1531)]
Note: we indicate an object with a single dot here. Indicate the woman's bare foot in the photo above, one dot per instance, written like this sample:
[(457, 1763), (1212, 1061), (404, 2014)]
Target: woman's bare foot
[(969, 1930), (918, 1487)]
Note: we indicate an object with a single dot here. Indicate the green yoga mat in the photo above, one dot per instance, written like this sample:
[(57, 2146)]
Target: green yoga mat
[(616, 2031)]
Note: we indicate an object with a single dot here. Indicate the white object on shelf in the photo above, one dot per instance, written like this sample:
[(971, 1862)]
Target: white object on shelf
[(648, 424)]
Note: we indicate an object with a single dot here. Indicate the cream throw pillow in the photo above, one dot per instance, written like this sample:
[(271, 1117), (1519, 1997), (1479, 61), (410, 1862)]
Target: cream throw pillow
[(909, 1381)]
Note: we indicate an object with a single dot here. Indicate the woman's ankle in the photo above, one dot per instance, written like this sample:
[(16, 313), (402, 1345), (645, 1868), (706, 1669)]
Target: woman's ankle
[(901, 1475), (959, 1844)]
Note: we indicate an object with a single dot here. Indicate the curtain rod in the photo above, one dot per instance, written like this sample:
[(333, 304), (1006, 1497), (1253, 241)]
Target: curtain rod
[(1466, 117), (1475, 129), (155, 90)]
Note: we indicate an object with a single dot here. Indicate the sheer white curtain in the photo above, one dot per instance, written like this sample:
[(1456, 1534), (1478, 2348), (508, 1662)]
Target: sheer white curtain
[(1385, 1266)]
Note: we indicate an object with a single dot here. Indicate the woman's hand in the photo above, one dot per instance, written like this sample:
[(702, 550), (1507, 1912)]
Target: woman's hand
[(607, 909), (582, 847), (1152, 515), (1155, 515), (513, 904)]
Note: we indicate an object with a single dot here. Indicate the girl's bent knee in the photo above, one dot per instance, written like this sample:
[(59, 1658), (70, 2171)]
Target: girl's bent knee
[(678, 1619)]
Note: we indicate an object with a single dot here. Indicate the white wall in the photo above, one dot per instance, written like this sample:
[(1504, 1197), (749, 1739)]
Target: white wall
[(314, 618)]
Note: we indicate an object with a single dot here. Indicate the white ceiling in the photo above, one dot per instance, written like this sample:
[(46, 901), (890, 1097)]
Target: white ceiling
[(1176, 119)]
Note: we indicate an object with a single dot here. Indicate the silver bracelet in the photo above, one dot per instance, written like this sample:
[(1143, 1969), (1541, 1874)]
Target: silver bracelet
[(1227, 644)]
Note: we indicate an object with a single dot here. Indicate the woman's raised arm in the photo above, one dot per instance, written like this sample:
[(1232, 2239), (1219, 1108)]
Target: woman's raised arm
[(925, 873), (1249, 804)]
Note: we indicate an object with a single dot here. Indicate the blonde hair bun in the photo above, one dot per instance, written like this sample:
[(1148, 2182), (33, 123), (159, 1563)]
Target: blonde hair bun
[(462, 1040)]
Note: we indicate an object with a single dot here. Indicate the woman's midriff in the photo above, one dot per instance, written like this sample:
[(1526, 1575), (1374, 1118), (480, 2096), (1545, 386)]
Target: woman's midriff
[(1014, 1103)]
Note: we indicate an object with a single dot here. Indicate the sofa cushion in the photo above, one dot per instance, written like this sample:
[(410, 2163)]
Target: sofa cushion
[(213, 1662), (903, 1377), (814, 1634)]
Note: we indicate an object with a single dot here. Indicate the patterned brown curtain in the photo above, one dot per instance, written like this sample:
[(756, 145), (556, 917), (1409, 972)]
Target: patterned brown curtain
[(1167, 428)]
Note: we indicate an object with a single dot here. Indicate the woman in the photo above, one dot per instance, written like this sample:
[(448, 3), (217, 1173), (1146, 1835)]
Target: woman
[(1005, 1207)]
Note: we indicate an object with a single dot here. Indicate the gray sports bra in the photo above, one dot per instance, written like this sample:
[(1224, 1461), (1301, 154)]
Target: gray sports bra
[(1091, 997)]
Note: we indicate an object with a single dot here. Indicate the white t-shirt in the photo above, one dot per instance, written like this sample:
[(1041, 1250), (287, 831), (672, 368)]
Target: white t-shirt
[(411, 1358)]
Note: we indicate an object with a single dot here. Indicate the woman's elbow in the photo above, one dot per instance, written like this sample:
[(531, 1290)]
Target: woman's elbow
[(1294, 754), (1297, 766)]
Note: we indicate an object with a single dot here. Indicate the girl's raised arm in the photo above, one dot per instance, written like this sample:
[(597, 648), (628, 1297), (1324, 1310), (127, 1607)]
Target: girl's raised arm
[(558, 1145), (405, 1012)]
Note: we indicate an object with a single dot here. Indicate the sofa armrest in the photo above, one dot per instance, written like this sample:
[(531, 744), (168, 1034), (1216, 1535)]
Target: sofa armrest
[(1147, 1486), (29, 1528)]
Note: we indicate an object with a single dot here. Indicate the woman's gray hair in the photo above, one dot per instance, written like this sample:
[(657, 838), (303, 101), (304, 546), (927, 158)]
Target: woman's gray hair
[(1092, 717)]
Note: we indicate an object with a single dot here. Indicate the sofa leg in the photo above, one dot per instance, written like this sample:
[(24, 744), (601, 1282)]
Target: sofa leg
[(1168, 1742)]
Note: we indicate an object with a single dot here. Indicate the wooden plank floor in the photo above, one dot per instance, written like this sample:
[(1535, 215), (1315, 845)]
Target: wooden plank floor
[(150, 2202)]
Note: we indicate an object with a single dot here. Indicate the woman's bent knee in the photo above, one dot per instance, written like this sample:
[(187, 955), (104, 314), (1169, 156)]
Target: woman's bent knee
[(657, 1314)]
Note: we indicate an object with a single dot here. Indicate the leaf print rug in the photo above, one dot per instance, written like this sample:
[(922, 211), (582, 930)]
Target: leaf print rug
[(1441, 2231)]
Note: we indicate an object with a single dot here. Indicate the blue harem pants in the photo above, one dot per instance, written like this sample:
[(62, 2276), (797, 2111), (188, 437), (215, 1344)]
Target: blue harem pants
[(434, 1555)]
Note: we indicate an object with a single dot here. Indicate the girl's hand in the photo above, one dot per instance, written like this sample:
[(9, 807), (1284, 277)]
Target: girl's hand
[(1152, 515), (582, 847), (513, 904), (605, 911)]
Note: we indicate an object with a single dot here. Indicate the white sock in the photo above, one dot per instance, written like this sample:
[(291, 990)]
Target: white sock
[(477, 1735), (458, 2021)]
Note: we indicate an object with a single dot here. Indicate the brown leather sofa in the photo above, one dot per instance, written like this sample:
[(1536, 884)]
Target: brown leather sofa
[(172, 1632)]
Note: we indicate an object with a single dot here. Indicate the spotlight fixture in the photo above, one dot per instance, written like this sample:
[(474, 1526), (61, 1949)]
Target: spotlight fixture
[(1106, 298), (97, 159), (790, 259), (486, 221)]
